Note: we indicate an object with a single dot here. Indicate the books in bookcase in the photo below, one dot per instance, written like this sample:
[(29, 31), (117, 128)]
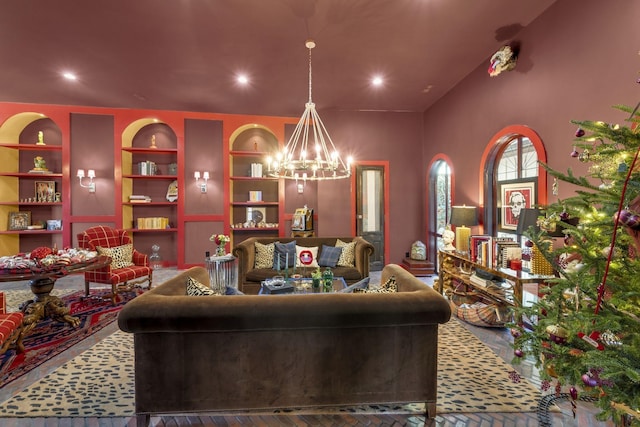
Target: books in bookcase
[(493, 252)]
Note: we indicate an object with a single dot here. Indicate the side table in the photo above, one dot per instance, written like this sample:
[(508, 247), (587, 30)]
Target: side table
[(223, 272)]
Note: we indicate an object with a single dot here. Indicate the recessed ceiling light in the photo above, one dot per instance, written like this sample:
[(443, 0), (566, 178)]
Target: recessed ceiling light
[(69, 76), (242, 79), (377, 81)]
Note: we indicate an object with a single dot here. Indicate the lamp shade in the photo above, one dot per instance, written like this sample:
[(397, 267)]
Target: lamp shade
[(463, 216), (528, 218)]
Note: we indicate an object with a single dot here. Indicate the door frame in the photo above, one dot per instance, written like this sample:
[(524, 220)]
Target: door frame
[(384, 164)]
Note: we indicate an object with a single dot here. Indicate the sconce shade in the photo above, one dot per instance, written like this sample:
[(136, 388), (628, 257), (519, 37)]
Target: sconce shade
[(528, 218), (463, 216)]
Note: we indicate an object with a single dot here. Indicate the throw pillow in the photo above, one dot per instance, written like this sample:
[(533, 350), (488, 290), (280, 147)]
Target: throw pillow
[(362, 284), (285, 255), (348, 255), (329, 256), (264, 255), (388, 287), (197, 289), (121, 256), (314, 256)]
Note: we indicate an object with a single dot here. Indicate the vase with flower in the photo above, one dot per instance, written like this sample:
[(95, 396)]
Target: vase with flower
[(221, 240)]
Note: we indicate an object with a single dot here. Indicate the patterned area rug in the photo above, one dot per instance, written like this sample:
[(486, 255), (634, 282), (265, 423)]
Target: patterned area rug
[(51, 337), (99, 382)]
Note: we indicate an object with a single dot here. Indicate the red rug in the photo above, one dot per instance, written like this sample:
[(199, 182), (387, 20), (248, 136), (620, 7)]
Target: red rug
[(51, 337)]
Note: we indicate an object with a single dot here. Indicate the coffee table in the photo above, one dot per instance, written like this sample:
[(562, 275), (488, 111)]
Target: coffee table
[(42, 282), (303, 286)]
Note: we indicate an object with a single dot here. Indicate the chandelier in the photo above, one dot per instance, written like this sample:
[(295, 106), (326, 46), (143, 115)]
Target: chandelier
[(310, 153)]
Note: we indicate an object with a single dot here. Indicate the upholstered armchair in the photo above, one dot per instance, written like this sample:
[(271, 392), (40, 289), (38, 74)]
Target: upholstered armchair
[(11, 329), (127, 264)]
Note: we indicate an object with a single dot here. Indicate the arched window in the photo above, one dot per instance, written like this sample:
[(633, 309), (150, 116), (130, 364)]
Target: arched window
[(439, 200), (512, 178)]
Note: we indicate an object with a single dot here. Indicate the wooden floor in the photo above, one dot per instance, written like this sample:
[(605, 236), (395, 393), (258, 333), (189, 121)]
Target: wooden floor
[(497, 339)]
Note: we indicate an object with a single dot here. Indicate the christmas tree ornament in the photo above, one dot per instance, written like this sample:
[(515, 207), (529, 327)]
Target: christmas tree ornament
[(629, 218), (589, 381), (610, 339), (579, 132), (622, 167), (573, 392), (592, 339), (558, 334), (518, 352), (584, 156), (574, 153)]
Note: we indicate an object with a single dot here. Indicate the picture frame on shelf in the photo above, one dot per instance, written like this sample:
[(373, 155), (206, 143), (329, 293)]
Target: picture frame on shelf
[(45, 191), (54, 224), (20, 220), (256, 215), (515, 196)]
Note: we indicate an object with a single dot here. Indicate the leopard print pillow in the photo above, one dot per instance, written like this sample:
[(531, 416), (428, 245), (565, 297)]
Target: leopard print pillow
[(197, 289), (264, 255), (121, 256), (388, 287), (348, 254)]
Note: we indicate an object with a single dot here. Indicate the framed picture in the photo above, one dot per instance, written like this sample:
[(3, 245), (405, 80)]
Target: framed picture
[(19, 220), (515, 196), (45, 191), (256, 215)]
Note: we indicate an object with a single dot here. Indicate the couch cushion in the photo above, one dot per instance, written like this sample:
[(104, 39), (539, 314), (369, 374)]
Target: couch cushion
[(284, 252), (197, 289), (264, 255), (389, 287), (121, 256), (362, 284), (329, 256), (348, 255), (314, 256)]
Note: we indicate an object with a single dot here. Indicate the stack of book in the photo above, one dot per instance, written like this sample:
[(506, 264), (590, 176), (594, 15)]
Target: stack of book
[(256, 170), (494, 252), (147, 168), (153, 223), (135, 198)]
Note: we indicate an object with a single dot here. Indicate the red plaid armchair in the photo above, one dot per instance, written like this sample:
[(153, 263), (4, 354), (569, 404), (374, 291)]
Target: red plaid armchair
[(122, 272), (11, 329)]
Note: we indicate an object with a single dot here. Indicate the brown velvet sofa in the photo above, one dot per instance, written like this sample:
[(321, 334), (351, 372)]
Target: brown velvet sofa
[(249, 278), (242, 352)]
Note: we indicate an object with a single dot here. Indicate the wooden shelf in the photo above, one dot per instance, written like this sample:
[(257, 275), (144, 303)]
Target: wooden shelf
[(243, 153), (150, 204), (31, 147), (31, 203), (150, 150), (26, 232), (253, 178), (31, 175), (170, 177), (253, 229), (152, 230), (255, 203)]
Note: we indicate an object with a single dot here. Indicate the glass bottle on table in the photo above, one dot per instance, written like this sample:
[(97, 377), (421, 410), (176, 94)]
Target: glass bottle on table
[(327, 280)]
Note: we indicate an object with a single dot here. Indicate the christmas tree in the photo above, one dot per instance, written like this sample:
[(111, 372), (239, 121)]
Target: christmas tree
[(584, 330)]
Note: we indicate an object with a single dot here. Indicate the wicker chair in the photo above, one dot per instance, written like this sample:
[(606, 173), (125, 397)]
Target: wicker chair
[(118, 276)]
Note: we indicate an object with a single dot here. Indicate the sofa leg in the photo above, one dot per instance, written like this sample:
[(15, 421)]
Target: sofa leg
[(431, 410), (86, 288), (142, 420)]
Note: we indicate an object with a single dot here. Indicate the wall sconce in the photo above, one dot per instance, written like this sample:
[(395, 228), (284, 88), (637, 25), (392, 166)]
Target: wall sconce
[(202, 185), (90, 174)]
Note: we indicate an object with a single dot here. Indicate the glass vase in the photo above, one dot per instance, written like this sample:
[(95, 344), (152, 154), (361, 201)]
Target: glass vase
[(220, 251)]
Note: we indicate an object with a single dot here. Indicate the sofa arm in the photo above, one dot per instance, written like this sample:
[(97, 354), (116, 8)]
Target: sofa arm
[(140, 259), (245, 251), (363, 253)]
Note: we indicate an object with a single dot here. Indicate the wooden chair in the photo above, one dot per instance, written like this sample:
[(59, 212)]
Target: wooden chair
[(11, 329), (119, 277)]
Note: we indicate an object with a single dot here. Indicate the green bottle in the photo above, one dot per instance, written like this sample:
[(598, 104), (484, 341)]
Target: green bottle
[(327, 279)]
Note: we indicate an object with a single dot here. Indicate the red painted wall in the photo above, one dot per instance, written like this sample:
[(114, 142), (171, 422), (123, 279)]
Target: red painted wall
[(576, 61)]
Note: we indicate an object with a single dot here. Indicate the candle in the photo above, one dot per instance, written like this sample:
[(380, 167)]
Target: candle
[(278, 264), (286, 262)]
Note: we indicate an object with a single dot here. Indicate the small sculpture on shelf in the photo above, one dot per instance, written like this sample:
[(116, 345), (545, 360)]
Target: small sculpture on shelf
[(448, 236), (40, 138), (40, 165), (153, 142)]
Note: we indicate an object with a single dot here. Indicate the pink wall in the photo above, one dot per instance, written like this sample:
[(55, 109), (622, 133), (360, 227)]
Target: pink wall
[(576, 61)]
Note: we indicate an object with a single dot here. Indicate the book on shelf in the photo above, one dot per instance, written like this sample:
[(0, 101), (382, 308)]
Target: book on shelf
[(256, 170), (135, 198), (255, 196), (152, 223), (147, 168)]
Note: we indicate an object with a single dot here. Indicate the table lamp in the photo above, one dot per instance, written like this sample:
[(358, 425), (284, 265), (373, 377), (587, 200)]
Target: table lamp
[(463, 217)]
